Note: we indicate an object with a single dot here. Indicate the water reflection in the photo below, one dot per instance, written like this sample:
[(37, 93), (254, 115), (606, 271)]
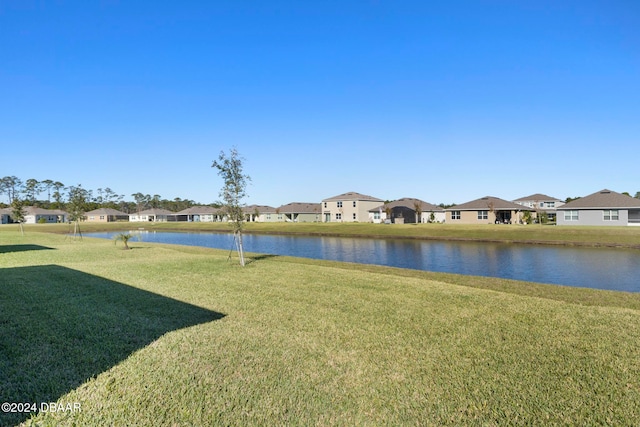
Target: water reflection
[(616, 269)]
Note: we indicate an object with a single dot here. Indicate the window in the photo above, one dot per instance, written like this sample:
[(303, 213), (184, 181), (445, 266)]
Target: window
[(354, 203), (483, 215), (551, 204), (101, 217), (339, 204), (338, 216), (610, 215), (455, 214), (354, 217), (376, 215), (570, 215)]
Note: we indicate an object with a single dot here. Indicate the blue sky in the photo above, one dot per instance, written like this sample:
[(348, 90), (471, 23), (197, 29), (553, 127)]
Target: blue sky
[(445, 101)]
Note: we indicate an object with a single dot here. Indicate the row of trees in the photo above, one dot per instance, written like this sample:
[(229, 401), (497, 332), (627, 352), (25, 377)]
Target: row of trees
[(51, 194)]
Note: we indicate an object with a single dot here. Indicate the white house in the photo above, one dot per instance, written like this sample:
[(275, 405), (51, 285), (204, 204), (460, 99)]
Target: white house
[(34, 215), (151, 215)]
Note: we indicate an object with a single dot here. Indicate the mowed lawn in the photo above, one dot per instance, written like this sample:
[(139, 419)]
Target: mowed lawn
[(170, 335)]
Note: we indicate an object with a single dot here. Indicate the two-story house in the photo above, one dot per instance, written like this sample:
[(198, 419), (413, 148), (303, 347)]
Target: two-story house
[(349, 207), (541, 203)]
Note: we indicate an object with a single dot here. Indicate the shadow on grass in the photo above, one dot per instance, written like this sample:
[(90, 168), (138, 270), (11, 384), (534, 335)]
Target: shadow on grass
[(22, 248), (59, 327), (251, 259)]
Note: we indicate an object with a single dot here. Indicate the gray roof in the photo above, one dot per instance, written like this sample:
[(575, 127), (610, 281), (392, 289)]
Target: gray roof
[(352, 195), (603, 199), (300, 207), (154, 211), (199, 210), (106, 211), (33, 210), (537, 198), (260, 208), (410, 203), (489, 203)]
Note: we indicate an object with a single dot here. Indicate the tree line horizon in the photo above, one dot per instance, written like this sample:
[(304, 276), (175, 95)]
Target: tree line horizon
[(58, 196)]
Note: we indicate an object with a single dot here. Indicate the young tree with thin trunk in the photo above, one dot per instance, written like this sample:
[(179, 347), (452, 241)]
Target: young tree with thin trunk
[(18, 213), (77, 206), (232, 192)]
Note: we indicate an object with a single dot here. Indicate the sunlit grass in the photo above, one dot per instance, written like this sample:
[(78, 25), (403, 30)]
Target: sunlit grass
[(307, 342)]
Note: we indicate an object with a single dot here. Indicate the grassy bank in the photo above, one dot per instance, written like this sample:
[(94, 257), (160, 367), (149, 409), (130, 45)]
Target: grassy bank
[(628, 237), (170, 335)]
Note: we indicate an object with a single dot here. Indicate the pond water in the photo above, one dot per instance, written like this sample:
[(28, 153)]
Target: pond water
[(600, 268)]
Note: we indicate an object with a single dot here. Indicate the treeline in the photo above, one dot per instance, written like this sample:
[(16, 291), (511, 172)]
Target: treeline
[(50, 194)]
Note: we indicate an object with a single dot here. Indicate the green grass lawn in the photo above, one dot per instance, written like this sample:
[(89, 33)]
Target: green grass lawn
[(171, 335)]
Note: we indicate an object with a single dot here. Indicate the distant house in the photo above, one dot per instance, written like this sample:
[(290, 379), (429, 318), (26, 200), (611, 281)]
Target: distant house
[(348, 207), (152, 215), (605, 207), (258, 213), (405, 211), (198, 214), (5, 215), (106, 215), (541, 203), (486, 210), (35, 215), (299, 212)]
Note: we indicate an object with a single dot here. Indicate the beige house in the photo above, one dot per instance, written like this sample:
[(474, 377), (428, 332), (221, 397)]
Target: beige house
[(106, 215), (299, 212), (258, 213), (486, 210), (349, 207), (405, 211)]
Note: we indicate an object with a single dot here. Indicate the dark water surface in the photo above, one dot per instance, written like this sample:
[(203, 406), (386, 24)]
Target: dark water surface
[(613, 269)]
